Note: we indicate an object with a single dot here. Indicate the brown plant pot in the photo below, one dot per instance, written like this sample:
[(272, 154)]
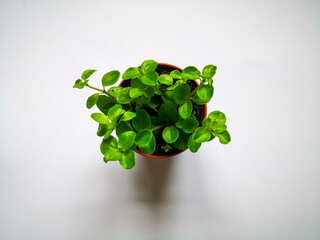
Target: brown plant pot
[(164, 68)]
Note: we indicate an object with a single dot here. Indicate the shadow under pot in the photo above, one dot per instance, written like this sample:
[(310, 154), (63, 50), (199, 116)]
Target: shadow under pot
[(199, 111)]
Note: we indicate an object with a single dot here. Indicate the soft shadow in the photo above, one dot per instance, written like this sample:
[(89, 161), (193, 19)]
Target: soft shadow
[(153, 178)]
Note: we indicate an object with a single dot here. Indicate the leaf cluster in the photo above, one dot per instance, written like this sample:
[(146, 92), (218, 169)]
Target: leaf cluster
[(151, 105)]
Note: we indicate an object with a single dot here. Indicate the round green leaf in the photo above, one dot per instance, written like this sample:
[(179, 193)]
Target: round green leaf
[(217, 116), (219, 127), (176, 74), (127, 160), (126, 139), (92, 100), (136, 83), (110, 78), (165, 79), (123, 96), (197, 100), (170, 134), (123, 127), (112, 154), (150, 78), (128, 116), (135, 92), (185, 109), (87, 73), (191, 73), (148, 65), (209, 71), (131, 73), (193, 145), (168, 112), (110, 142), (181, 93), (149, 147), (149, 92), (224, 137), (182, 142), (100, 118), (142, 120), (189, 124), (143, 137), (205, 92), (115, 112), (114, 91), (201, 135), (206, 122), (103, 129)]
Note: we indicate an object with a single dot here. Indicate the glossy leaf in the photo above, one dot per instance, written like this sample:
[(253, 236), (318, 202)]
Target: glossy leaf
[(104, 103), (197, 100), (149, 92), (112, 154), (148, 65), (189, 124), (124, 97), (136, 83), (142, 120), (201, 135), (150, 78), (205, 92), (79, 84), (115, 112), (224, 137), (100, 118), (185, 109), (87, 73), (182, 142), (135, 92), (103, 129), (126, 139), (92, 100), (217, 116), (143, 137), (110, 78), (123, 127), (131, 73), (193, 145), (168, 112), (191, 73), (127, 116), (176, 74), (170, 134), (149, 147), (110, 142), (181, 93), (206, 122), (219, 127), (127, 160), (165, 79), (114, 91), (209, 71)]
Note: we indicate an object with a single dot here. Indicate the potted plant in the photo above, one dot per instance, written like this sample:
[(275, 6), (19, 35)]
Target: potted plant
[(158, 110)]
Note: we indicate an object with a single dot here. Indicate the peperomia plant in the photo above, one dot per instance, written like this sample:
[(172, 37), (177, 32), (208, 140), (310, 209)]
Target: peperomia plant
[(156, 111)]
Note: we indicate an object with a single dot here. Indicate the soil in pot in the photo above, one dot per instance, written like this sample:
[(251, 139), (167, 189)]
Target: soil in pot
[(198, 110)]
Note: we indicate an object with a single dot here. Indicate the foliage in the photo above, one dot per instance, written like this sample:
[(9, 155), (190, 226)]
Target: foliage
[(153, 104)]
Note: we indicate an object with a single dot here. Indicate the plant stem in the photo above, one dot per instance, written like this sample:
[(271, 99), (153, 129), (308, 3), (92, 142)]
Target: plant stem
[(157, 128), (100, 90), (152, 107), (193, 92)]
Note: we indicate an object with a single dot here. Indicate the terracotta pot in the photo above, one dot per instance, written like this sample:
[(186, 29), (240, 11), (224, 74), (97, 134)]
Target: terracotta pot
[(202, 117)]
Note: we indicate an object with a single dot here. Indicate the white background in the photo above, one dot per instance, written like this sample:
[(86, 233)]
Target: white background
[(263, 185)]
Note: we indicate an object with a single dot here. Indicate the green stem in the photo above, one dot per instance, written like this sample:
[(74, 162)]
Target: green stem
[(152, 107), (100, 90), (157, 128), (193, 92)]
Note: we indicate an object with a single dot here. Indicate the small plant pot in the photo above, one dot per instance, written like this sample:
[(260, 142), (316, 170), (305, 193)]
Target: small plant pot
[(200, 110)]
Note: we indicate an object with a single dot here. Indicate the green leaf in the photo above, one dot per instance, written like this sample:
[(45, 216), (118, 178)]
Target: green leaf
[(124, 97), (219, 127), (87, 73), (148, 65), (142, 120), (149, 147), (92, 100), (209, 71), (182, 141), (126, 139), (191, 73), (79, 84), (201, 135), (176, 74), (143, 137), (150, 78), (110, 142), (217, 116), (189, 124), (112, 154), (149, 92), (170, 134), (123, 127), (197, 100), (168, 112), (128, 116), (131, 73), (207, 122), (127, 160), (224, 137), (181, 93), (165, 79), (114, 91), (167, 96), (115, 112), (110, 78), (103, 129), (185, 109), (135, 92), (193, 145), (104, 103), (136, 83), (205, 92), (100, 118), (179, 122)]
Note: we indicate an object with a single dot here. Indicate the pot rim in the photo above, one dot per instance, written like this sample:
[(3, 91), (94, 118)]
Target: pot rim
[(180, 151)]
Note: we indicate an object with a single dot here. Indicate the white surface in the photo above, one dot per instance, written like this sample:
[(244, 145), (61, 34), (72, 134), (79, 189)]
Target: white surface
[(263, 185)]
